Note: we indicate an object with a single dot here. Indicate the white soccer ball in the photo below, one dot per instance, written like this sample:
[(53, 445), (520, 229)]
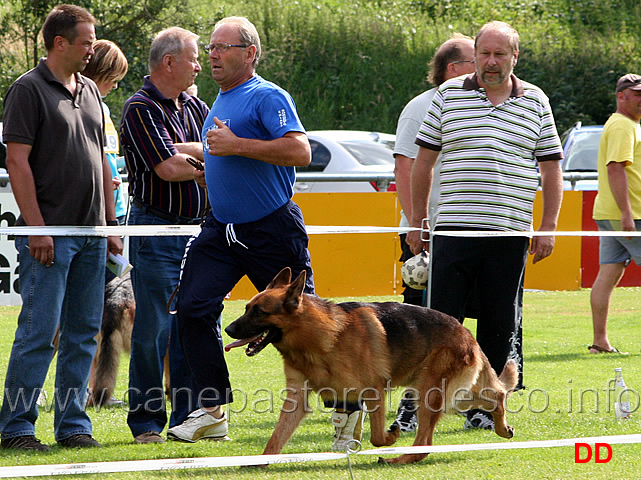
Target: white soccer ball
[(415, 271)]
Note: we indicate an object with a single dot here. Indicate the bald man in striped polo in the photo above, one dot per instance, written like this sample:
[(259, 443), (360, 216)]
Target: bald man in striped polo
[(495, 132)]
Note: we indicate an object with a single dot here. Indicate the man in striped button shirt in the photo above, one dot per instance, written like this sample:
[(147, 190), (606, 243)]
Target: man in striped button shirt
[(160, 129), (494, 132)]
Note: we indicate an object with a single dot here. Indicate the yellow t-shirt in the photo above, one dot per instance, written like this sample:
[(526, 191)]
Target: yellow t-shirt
[(620, 142), (111, 134)]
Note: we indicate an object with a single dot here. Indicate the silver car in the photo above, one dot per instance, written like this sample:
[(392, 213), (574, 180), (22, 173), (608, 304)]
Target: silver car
[(580, 153), (347, 152)]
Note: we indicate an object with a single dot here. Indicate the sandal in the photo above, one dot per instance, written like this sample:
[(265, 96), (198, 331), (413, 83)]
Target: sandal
[(602, 350)]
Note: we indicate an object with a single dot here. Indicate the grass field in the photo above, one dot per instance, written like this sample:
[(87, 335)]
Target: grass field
[(566, 397)]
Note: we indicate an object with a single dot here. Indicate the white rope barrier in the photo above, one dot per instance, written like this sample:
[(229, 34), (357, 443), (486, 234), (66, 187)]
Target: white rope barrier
[(177, 230), (249, 460), (565, 442), (163, 464)]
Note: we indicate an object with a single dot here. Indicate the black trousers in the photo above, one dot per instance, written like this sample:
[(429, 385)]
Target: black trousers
[(214, 262), (495, 266)]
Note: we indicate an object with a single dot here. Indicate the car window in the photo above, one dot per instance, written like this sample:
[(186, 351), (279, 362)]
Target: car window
[(582, 153), (320, 158), (369, 153)]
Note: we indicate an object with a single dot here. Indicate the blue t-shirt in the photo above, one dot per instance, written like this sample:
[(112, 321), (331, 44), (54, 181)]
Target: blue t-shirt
[(242, 189)]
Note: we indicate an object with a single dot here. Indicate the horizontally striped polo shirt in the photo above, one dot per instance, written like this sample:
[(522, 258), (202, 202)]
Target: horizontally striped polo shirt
[(489, 153)]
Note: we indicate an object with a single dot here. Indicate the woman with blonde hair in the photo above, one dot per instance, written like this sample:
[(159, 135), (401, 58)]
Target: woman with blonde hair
[(107, 66)]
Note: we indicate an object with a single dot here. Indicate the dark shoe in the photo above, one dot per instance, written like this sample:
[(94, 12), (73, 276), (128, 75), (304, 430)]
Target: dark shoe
[(479, 419), (406, 415), (24, 442), (80, 440), (149, 437), (598, 349)]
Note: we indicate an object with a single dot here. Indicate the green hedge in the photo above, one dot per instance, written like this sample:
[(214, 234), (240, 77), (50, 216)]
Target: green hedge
[(354, 64)]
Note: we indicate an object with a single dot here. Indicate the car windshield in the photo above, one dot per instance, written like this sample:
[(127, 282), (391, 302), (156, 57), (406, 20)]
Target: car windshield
[(367, 153), (583, 152)]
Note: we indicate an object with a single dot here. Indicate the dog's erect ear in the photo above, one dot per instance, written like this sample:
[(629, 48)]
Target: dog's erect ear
[(283, 278), (295, 292)]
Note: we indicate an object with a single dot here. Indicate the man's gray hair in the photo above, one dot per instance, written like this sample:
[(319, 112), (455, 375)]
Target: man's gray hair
[(248, 34), (505, 28), (170, 41)]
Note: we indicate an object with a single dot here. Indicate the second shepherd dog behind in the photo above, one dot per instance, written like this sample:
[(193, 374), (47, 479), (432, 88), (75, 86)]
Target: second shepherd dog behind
[(361, 349)]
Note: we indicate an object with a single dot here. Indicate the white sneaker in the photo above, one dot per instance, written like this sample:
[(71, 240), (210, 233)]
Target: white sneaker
[(200, 424), (348, 427), (42, 398)]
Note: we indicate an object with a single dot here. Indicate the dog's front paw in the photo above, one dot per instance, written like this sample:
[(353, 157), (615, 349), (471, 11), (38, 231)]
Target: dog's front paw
[(403, 459), (510, 431), (394, 428)]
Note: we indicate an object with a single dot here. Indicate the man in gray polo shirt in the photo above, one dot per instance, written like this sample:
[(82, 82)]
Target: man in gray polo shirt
[(493, 131), (54, 131)]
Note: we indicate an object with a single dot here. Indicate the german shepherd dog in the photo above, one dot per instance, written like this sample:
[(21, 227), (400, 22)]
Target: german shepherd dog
[(355, 348)]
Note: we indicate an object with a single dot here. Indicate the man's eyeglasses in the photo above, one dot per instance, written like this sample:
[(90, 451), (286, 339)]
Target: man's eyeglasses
[(222, 47), (464, 61)]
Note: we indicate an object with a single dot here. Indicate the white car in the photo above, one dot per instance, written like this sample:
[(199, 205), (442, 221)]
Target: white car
[(347, 152), (580, 153)]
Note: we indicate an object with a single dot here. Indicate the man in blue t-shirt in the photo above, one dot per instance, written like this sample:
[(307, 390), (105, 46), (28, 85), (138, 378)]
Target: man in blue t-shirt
[(252, 142)]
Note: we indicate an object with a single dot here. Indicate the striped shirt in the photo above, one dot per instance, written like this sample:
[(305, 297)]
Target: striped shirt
[(150, 126), (489, 153)]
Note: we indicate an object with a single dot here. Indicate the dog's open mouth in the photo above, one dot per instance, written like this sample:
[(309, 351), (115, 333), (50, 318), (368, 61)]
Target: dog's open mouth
[(254, 344)]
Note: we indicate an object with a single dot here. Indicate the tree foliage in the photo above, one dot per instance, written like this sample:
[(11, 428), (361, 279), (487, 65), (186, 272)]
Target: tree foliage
[(354, 64)]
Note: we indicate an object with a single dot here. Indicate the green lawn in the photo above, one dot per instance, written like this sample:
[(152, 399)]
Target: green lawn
[(566, 397)]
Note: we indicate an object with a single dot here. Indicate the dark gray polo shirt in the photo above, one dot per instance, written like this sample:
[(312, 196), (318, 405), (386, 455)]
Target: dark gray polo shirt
[(67, 138)]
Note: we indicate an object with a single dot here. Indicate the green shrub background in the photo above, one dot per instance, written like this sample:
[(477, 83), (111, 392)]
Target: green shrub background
[(354, 64)]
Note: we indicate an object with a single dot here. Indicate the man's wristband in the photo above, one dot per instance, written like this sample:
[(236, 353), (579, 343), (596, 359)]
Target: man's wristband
[(112, 223)]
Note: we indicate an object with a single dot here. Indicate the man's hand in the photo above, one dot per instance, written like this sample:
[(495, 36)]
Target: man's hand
[(199, 176), (114, 245), (627, 224), (221, 140), (413, 239), (541, 247), (41, 249)]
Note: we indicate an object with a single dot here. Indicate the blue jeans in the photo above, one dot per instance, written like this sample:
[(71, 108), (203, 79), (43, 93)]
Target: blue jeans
[(69, 293), (156, 271)]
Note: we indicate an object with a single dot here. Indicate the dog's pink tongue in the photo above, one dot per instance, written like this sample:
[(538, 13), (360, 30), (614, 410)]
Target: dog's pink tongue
[(237, 343)]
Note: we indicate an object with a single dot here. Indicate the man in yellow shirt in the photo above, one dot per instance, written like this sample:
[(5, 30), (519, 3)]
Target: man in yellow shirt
[(617, 206)]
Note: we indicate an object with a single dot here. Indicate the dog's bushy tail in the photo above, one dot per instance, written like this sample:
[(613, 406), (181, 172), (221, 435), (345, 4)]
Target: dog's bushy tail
[(510, 375), (114, 338), (107, 358)]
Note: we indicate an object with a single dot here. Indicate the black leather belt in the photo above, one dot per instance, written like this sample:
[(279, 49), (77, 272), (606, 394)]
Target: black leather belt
[(167, 216)]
